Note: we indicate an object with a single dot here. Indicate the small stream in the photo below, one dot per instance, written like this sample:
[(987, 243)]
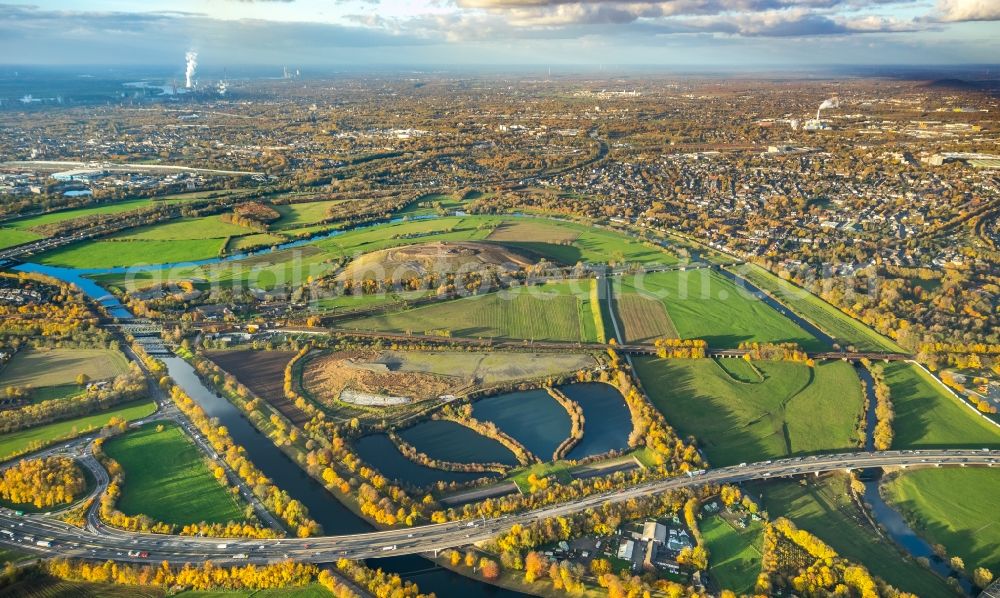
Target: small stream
[(891, 522)]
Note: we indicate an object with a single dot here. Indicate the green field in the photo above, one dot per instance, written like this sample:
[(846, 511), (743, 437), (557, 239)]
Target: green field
[(55, 367), (825, 316), (928, 416), (302, 214), (237, 244), (181, 240), (704, 304), (824, 508), (166, 477), (105, 209), (13, 236), (15, 442), (566, 242), (795, 410), (735, 554), (953, 507), (548, 312), (184, 229), (124, 253)]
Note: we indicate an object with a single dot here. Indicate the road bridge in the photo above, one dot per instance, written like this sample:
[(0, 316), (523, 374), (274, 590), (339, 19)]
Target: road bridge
[(64, 540)]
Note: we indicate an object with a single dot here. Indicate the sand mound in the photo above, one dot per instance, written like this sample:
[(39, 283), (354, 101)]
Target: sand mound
[(441, 258)]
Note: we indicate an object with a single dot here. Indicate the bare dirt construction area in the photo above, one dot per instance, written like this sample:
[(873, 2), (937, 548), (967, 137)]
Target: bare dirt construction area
[(263, 372), (643, 319), (359, 378), (425, 375), (441, 258)]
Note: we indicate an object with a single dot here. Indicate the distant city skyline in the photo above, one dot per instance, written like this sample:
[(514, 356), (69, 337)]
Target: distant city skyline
[(759, 33)]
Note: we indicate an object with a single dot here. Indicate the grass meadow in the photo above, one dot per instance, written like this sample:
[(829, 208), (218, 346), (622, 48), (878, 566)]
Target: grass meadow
[(928, 416), (955, 507), (41, 436), (825, 508), (56, 367), (554, 311), (167, 478), (794, 410), (704, 304), (735, 555)]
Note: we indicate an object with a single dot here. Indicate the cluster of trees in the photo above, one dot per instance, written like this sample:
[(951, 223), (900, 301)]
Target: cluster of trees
[(695, 557), (649, 427), (463, 415), (576, 419), (950, 379), (680, 348), (206, 576), (254, 213), (776, 352), (51, 308), (410, 452), (378, 582), (124, 387), (884, 412), (516, 549), (289, 387), (797, 560), (46, 482), (964, 356)]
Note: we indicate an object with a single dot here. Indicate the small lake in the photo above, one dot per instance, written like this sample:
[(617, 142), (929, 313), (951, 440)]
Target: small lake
[(608, 421), (531, 417), (379, 451), (449, 441)]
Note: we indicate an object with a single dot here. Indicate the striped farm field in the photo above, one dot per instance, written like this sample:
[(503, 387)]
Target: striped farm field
[(643, 319), (558, 311)]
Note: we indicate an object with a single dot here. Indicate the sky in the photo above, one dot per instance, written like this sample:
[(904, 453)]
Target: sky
[(543, 33)]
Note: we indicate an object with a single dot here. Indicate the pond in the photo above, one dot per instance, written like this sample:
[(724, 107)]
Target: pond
[(449, 441), (379, 451), (531, 417), (607, 420)]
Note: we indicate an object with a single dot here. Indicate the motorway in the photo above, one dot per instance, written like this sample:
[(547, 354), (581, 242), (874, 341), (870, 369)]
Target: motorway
[(23, 531)]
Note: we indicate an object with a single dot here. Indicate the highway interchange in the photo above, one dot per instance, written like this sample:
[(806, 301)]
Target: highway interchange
[(102, 542)]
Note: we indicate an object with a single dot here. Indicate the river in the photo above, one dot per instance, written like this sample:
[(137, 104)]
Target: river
[(323, 507), (891, 522), (337, 519)]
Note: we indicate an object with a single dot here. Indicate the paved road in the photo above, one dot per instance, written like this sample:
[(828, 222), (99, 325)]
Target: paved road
[(65, 540)]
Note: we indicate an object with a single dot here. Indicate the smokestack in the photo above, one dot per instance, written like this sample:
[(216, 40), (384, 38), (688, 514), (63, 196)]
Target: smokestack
[(192, 63)]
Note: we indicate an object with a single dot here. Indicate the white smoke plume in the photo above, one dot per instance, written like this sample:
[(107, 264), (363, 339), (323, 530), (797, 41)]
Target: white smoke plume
[(831, 103), (192, 63), (827, 104)]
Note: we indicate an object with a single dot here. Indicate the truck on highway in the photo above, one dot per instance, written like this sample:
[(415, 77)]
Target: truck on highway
[(44, 543), (222, 546), (241, 555), (393, 547), (142, 554)]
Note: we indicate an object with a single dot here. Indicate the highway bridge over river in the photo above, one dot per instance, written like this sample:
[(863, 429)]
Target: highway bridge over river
[(49, 537)]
